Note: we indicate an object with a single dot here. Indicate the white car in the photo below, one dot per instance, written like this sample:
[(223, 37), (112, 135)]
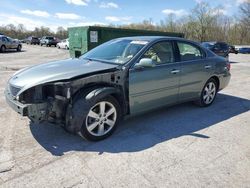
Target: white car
[(63, 44)]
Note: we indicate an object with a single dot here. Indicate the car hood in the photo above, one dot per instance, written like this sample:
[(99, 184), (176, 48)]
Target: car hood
[(55, 71)]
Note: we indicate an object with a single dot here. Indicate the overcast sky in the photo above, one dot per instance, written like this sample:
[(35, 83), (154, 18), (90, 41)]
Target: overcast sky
[(67, 13)]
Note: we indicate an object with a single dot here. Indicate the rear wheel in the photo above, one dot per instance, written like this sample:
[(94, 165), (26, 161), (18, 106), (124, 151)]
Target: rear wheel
[(208, 93), (19, 48)]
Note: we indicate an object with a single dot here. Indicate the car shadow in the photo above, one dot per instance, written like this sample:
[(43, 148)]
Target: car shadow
[(8, 51), (144, 131)]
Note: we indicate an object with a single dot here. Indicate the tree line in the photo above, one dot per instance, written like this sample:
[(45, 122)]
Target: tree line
[(204, 23), (20, 32)]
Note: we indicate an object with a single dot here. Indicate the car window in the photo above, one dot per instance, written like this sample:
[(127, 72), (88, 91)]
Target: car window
[(5, 39), (189, 52), (160, 53), (223, 46)]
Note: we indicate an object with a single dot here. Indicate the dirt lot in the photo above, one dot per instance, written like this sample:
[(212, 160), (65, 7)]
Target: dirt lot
[(181, 146)]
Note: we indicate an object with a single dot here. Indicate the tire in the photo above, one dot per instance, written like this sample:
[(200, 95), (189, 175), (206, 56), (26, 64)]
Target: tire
[(66, 47), (19, 48), (97, 125), (208, 93), (3, 48)]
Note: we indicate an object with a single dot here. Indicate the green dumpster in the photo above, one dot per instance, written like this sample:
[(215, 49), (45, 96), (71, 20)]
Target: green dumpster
[(83, 39)]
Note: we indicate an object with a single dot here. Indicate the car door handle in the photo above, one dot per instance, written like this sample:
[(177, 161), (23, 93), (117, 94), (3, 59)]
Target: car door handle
[(175, 71), (208, 67)]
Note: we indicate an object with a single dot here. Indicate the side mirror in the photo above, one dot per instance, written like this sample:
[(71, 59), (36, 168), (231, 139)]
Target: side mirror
[(145, 62)]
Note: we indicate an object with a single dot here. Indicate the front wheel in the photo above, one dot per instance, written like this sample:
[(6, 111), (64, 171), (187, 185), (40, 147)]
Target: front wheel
[(3, 48), (100, 118), (208, 93)]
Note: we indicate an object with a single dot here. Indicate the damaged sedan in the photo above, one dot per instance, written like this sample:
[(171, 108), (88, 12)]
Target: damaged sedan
[(126, 76)]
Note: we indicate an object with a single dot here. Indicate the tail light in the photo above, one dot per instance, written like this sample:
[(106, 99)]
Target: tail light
[(228, 66)]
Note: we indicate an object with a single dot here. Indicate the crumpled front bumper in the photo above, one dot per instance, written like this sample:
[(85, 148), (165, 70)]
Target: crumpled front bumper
[(20, 108), (36, 112)]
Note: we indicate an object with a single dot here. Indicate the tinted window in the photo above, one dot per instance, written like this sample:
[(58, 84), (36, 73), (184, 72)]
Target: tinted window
[(160, 53), (189, 52), (223, 46), (5, 39), (208, 45)]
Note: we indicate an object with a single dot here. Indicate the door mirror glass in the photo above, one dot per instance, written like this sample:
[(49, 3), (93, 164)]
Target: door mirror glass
[(145, 62)]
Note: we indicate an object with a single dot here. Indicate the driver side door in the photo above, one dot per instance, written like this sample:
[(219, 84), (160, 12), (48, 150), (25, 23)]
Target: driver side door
[(152, 87)]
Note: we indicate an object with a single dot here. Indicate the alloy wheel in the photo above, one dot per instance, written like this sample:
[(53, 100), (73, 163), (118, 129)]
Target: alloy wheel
[(209, 93), (101, 118)]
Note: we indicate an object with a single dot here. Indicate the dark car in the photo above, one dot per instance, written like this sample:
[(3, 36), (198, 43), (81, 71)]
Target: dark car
[(219, 48), (232, 49), (32, 40), (48, 41), (122, 77), (244, 50)]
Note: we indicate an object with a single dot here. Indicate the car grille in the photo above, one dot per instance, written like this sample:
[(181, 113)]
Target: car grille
[(14, 90)]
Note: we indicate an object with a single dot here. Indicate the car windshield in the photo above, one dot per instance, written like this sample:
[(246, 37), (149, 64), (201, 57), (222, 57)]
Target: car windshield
[(117, 51)]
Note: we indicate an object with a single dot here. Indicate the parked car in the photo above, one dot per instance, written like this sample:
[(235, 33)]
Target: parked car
[(23, 40), (126, 76), (244, 50), (32, 40), (63, 44), (9, 43), (232, 49), (219, 48), (48, 41)]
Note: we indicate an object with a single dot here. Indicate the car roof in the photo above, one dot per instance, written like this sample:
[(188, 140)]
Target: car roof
[(149, 38), (155, 38)]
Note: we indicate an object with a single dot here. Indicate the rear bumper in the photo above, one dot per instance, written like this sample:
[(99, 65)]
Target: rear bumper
[(224, 80)]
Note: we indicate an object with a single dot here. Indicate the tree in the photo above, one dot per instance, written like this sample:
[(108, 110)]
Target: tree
[(245, 14), (202, 18), (61, 33)]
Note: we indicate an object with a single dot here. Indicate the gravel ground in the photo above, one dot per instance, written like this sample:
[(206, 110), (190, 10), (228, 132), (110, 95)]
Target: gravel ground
[(181, 146)]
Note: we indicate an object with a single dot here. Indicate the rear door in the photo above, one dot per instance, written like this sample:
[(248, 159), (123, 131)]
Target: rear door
[(151, 87), (195, 70)]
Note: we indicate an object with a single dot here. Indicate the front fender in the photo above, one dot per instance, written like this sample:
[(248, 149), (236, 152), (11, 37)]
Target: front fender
[(101, 92), (76, 113)]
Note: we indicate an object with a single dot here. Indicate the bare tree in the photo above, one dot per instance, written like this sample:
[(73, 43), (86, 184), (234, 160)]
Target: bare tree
[(245, 14)]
